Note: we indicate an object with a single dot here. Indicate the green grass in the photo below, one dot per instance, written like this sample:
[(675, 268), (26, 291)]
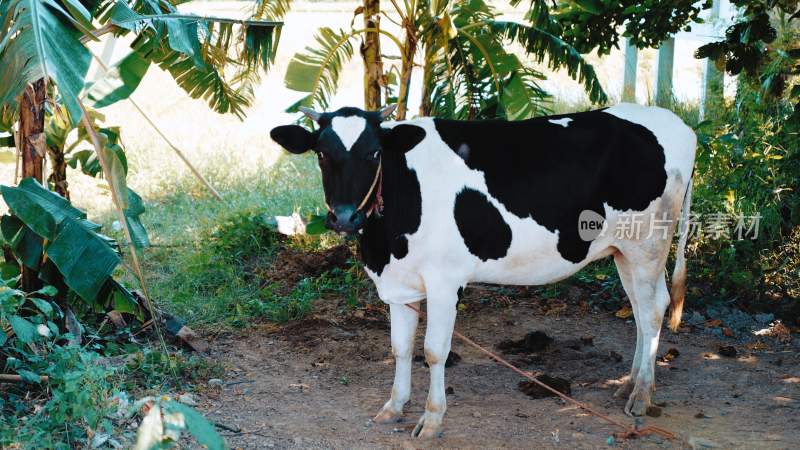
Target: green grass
[(195, 268)]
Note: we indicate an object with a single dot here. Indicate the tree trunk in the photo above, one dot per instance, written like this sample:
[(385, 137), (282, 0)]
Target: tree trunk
[(425, 105), (371, 53), (407, 55), (31, 130), (58, 177), (32, 146)]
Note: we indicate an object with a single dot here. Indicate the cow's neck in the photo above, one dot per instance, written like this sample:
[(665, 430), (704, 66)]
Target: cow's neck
[(385, 234)]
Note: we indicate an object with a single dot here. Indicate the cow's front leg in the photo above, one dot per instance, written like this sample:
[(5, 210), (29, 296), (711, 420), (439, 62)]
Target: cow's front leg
[(404, 328), (441, 317)]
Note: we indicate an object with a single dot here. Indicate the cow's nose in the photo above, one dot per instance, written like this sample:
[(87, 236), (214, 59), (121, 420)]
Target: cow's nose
[(345, 218)]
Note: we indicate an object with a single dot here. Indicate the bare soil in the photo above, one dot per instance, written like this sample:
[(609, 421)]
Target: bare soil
[(316, 383)]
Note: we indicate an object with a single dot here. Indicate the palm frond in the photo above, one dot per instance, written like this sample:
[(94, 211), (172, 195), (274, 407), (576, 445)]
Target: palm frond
[(217, 59), (545, 46), (477, 78), (271, 9), (317, 70)]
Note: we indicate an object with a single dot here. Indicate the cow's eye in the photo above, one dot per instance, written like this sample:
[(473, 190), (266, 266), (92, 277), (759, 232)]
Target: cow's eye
[(376, 154), (322, 156)]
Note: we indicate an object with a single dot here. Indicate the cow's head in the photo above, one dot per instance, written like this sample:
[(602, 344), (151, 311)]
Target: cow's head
[(349, 144)]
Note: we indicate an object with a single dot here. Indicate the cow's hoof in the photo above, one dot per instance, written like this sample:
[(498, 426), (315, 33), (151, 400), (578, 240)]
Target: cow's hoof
[(638, 402), (388, 415), (427, 427), (624, 390)]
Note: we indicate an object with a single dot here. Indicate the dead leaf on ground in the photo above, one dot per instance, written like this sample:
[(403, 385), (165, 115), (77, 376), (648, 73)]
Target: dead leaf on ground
[(713, 323), (624, 313), (727, 332)]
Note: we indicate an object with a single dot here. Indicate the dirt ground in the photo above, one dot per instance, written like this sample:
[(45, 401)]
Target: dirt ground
[(316, 383)]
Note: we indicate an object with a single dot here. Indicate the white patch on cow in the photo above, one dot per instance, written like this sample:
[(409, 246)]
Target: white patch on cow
[(348, 129), (563, 122), (677, 139)]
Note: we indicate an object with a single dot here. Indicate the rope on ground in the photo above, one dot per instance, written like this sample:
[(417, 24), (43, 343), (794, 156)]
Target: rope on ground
[(627, 432)]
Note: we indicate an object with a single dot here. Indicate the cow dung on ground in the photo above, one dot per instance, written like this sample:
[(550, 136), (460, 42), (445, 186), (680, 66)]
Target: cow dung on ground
[(292, 264), (535, 341), (534, 390)]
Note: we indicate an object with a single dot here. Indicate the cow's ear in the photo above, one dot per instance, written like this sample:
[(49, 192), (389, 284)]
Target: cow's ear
[(293, 138), (402, 138)]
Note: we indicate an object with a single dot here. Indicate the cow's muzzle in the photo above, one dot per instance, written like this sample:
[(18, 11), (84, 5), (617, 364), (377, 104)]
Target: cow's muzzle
[(345, 219)]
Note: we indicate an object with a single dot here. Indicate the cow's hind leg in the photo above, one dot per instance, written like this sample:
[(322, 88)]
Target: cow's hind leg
[(404, 328), (441, 317), (652, 298), (625, 272)]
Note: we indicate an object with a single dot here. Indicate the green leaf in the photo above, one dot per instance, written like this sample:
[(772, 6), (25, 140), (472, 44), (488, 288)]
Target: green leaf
[(547, 47), (49, 291), (24, 243), (316, 225), (28, 248), (199, 53), (592, 6), (119, 82), (135, 226), (183, 38), (84, 258), (124, 301), (317, 70), (520, 100), (38, 208), (197, 425), (41, 41), (9, 270), (43, 306), (28, 376), (25, 330), (117, 177)]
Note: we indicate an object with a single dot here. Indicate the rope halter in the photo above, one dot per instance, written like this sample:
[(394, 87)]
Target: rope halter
[(375, 184)]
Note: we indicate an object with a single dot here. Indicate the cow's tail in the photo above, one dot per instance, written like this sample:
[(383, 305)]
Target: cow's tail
[(678, 291)]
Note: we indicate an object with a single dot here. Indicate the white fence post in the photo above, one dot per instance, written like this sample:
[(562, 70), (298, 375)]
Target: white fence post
[(666, 56), (629, 75)]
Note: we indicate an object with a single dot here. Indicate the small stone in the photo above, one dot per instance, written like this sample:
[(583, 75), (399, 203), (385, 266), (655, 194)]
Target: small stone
[(449, 390), (99, 439), (215, 382), (187, 399), (695, 319), (698, 443), (653, 411), (764, 318), (476, 415)]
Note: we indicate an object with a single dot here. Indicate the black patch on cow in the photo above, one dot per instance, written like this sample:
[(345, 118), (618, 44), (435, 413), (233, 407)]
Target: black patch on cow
[(551, 173), (402, 138), (485, 233), (402, 200)]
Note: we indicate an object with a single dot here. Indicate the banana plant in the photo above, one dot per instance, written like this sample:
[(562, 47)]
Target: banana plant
[(43, 44), (467, 70)]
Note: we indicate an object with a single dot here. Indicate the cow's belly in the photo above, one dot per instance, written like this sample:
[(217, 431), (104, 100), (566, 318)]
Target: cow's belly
[(532, 259)]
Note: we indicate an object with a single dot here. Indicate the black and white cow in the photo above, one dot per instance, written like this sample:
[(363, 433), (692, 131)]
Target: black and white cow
[(442, 203)]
